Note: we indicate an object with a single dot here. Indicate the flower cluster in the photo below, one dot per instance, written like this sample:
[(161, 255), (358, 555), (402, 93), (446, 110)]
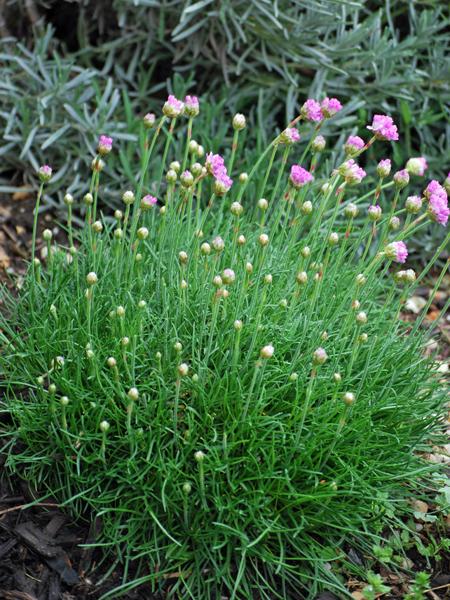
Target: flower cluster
[(437, 198), (299, 176), (316, 112), (352, 172), (384, 128), (215, 165)]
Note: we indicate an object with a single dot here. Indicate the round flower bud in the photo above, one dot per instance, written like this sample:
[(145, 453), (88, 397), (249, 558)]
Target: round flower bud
[(97, 165), (128, 197), (40, 380), (361, 279), (187, 179), (72, 250), (417, 166), (64, 400), (158, 355), (324, 336), (52, 388), (293, 376), (118, 214), (218, 244), (318, 144), (142, 233), (183, 284), (228, 276), (401, 179), (36, 262), (356, 304), (88, 199), (175, 166), (97, 226), (205, 248), (198, 234), (263, 204), (91, 278), (196, 169), (267, 351), (217, 281), (361, 318), (45, 173), (178, 347), (337, 377), (307, 208), (319, 356), (195, 378), (238, 325), (326, 187), (183, 257), (149, 120), (284, 303), (413, 204), (333, 239), (133, 394), (410, 275), (263, 239), (384, 168), (120, 311), (200, 151), (89, 354), (47, 235), (187, 488), (118, 233), (268, 278), (301, 277), (351, 210), (249, 267), (142, 304), (362, 338), (305, 252), (243, 178), (139, 257), (394, 223), (374, 213), (199, 456), (68, 199), (171, 176), (104, 426), (348, 398), (125, 341), (236, 209), (183, 369), (241, 240), (193, 147), (111, 362), (222, 293), (239, 122)]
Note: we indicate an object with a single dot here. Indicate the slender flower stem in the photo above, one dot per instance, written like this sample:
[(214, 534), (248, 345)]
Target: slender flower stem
[(35, 222)]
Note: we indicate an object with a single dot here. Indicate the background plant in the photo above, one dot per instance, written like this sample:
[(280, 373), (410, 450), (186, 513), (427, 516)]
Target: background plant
[(235, 412)]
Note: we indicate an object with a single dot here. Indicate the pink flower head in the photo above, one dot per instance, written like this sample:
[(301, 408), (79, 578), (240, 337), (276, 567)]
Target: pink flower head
[(417, 166), (384, 167), (434, 188), (384, 128), (299, 176), (173, 107), (311, 110), (215, 164), (104, 145), (352, 172), (397, 251), (222, 184), (353, 144), (401, 178), (289, 136), (148, 201), (45, 173), (330, 106), (438, 209), (191, 106)]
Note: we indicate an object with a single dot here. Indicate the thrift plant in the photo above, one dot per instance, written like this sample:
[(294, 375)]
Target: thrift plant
[(219, 372)]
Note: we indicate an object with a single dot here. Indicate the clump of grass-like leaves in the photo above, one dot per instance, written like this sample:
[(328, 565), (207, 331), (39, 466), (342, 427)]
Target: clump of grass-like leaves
[(219, 372)]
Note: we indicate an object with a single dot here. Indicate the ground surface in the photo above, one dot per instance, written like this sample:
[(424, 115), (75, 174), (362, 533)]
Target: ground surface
[(40, 554)]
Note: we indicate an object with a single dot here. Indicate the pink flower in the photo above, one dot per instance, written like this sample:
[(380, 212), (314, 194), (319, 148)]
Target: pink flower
[(330, 106), (222, 184), (384, 167), (352, 172), (299, 176), (353, 144), (45, 173), (104, 145), (384, 128), (397, 251), (289, 136), (438, 209), (434, 188), (311, 110), (191, 106), (173, 107), (417, 166), (215, 164), (148, 201), (401, 178)]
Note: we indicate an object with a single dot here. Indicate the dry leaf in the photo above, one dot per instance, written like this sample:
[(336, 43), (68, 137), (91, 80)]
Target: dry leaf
[(415, 304), (22, 194), (5, 260)]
